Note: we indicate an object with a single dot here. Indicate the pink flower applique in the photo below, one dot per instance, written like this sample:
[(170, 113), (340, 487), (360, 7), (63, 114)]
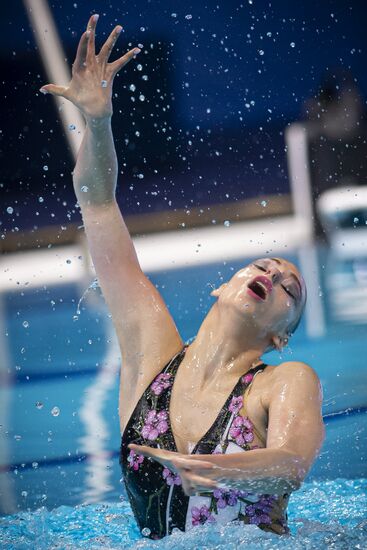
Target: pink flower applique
[(155, 425), (135, 460), (161, 383), (259, 511), (226, 497), (201, 515), (247, 378), (236, 404), (242, 430), (171, 478)]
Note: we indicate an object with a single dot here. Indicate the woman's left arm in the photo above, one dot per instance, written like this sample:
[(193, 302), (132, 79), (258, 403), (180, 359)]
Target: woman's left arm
[(294, 438)]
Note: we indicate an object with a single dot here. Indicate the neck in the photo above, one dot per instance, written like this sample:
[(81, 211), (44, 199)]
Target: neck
[(221, 354)]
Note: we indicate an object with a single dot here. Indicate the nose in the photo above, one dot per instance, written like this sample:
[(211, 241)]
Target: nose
[(275, 274)]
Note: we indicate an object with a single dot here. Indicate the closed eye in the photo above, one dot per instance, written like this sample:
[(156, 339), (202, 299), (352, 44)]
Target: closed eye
[(285, 288), (288, 292)]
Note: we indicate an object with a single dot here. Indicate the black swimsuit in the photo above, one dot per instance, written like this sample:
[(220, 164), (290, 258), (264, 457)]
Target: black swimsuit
[(156, 497)]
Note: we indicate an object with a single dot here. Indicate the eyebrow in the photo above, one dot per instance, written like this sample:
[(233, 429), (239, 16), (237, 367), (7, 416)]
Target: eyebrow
[(293, 275)]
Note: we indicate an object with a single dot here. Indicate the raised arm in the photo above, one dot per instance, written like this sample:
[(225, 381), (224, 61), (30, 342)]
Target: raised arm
[(146, 332)]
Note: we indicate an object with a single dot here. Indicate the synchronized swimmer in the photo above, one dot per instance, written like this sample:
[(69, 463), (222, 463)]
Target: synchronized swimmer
[(210, 433)]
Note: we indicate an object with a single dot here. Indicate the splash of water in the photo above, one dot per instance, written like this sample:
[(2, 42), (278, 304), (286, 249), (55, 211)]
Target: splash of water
[(93, 286), (328, 514)]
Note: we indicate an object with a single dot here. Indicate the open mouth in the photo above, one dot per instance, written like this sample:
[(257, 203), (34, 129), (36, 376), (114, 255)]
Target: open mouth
[(259, 288)]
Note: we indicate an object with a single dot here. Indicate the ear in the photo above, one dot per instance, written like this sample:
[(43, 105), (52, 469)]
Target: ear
[(217, 291), (279, 342)]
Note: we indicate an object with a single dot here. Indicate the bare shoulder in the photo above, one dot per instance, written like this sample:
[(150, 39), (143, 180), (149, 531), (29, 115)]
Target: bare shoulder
[(295, 422), (296, 369), (298, 377)]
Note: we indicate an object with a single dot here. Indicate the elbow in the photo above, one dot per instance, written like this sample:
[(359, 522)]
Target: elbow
[(296, 480), (293, 484), (297, 471), (286, 486)]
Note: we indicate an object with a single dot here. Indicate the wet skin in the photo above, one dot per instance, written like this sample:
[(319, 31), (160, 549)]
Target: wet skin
[(285, 400)]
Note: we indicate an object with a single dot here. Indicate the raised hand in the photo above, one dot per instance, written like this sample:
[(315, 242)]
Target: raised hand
[(90, 88)]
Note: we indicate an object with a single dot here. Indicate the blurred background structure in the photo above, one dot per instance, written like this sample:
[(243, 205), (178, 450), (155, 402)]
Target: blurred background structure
[(199, 118), (240, 131)]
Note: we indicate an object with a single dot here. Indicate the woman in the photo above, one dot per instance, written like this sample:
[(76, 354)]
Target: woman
[(190, 414)]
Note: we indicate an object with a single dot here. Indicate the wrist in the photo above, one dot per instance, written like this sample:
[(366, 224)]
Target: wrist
[(98, 122)]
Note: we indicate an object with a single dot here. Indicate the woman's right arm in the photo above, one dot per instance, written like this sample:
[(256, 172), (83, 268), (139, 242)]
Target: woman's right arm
[(147, 334)]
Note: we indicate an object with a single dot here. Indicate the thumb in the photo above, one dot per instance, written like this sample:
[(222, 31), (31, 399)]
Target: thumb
[(54, 90)]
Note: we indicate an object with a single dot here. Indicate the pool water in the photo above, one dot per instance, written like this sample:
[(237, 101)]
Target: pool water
[(331, 514), (60, 481)]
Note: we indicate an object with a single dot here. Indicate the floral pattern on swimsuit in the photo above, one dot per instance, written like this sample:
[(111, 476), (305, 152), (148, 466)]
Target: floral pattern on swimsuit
[(155, 493)]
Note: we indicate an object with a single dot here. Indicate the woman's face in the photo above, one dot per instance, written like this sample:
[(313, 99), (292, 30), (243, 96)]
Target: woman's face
[(269, 290)]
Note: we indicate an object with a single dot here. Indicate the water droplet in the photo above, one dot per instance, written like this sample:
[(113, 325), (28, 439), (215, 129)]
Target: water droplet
[(17, 437), (142, 97), (35, 465), (292, 44), (40, 199), (55, 411), (173, 14), (132, 87), (39, 405), (144, 77), (45, 167), (321, 293), (84, 189), (68, 261), (356, 220), (140, 176), (72, 127), (10, 210), (188, 16), (145, 532), (142, 29), (24, 494), (264, 203), (25, 324), (139, 67), (227, 223), (261, 52)]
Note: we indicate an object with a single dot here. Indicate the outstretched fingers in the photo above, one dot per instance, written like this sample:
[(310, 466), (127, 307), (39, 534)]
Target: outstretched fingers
[(91, 32), (108, 46), (193, 484), (117, 65), (186, 463), (54, 90), (81, 53)]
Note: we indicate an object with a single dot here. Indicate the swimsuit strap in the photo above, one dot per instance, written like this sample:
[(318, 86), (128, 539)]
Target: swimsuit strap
[(215, 433)]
